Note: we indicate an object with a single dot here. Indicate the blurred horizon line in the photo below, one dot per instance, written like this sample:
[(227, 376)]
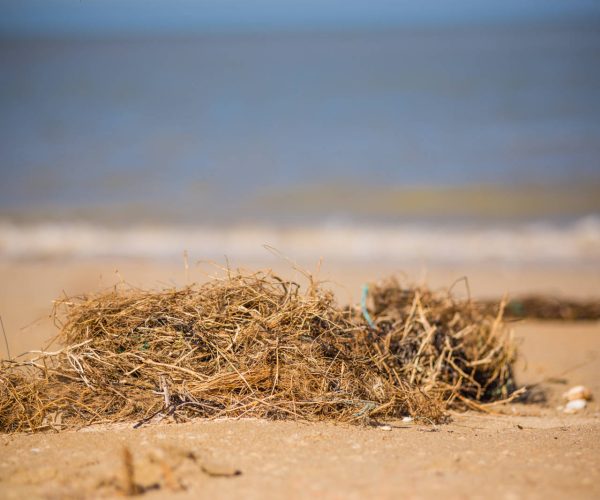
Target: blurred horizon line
[(591, 21)]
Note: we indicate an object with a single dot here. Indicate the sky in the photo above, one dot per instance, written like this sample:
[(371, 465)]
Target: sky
[(130, 17)]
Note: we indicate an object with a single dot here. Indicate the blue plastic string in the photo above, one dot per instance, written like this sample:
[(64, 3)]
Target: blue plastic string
[(363, 305)]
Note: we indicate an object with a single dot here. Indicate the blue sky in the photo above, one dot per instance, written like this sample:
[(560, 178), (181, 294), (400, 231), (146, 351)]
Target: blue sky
[(97, 17)]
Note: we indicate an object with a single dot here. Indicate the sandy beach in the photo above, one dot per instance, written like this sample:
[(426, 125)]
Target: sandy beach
[(518, 451), (146, 150)]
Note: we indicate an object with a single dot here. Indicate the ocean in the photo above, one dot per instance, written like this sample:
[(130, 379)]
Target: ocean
[(431, 143)]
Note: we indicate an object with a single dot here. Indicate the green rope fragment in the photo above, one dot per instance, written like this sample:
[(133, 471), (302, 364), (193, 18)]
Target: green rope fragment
[(363, 305)]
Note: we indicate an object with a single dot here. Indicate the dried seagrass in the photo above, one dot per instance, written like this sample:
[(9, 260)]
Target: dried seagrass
[(256, 345)]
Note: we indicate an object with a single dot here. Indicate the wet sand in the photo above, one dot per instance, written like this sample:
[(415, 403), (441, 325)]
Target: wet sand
[(523, 451)]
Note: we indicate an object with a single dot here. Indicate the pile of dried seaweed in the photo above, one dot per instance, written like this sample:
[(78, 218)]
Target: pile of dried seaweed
[(552, 308), (456, 349), (256, 345)]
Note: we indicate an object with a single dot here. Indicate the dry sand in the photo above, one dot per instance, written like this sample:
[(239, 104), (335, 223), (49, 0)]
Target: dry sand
[(529, 451)]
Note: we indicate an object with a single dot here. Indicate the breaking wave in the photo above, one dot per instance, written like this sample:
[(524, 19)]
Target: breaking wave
[(540, 242)]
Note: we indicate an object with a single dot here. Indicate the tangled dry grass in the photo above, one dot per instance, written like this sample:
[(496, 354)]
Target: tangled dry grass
[(551, 308), (256, 345)]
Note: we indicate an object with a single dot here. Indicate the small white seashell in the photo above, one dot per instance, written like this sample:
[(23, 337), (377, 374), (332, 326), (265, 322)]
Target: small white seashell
[(407, 419), (578, 392), (575, 405)]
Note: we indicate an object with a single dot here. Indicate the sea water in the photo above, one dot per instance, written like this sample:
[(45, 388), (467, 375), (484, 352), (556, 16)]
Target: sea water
[(369, 143)]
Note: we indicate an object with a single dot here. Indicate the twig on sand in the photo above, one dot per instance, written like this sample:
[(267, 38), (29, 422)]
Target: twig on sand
[(5, 338)]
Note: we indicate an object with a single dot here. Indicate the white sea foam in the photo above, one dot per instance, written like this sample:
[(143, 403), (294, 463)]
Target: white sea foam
[(576, 242)]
